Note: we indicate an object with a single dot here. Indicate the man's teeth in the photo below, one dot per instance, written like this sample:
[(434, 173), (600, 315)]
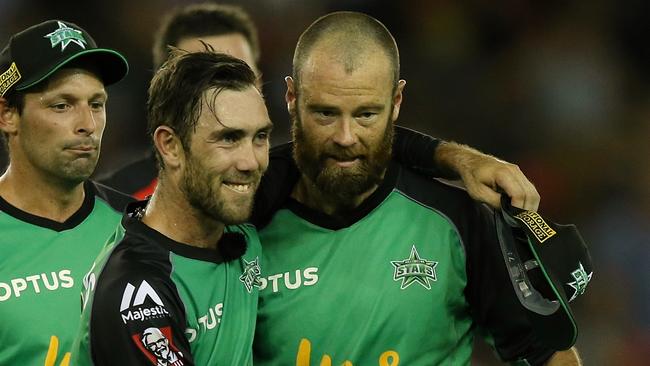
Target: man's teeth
[(241, 188)]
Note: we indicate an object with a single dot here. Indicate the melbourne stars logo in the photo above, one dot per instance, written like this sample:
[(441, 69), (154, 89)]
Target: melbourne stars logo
[(251, 274), (64, 35), (581, 281), (415, 269)]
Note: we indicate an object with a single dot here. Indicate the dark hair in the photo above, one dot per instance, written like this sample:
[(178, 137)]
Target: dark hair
[(351, 32), (199, 20), (179, 87)]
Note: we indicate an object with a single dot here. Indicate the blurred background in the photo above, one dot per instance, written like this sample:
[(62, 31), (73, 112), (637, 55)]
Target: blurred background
[(561, 88)]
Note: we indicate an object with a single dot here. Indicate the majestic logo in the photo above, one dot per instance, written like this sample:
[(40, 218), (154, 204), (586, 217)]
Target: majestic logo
[(64, 35), (9, 78), (133, 303), (536, 224), (415, 269), (581, 281), (157, 346), (251, 274)]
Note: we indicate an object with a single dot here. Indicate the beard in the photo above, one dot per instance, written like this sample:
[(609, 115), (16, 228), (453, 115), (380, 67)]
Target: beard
[(341, 184), (198, 186)]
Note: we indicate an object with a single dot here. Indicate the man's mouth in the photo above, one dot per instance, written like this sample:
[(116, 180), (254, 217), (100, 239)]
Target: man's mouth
[(238, 187)]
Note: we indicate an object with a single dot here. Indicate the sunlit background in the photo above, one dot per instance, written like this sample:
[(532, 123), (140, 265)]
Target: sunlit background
[(559, 87)]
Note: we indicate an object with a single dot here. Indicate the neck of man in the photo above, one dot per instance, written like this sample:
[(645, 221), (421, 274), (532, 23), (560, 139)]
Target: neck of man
[(308, 193), (169, 213), (44, 196)]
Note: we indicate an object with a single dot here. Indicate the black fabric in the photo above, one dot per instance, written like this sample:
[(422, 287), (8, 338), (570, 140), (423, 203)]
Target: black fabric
[(549, 268), (134, 176), (137, 258), (117, 200)]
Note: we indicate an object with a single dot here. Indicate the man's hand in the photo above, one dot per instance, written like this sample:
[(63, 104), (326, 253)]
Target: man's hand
[(484, 174)]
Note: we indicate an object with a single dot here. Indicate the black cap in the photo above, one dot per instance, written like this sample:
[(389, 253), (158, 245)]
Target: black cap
[(549, 266), (38, 51)]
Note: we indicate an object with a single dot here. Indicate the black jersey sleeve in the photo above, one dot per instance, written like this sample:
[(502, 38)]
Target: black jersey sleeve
[(137, 317), (416, 151), (495, 307), (276, 185)]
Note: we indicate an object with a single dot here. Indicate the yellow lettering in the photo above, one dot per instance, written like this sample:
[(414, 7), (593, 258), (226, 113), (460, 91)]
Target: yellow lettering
[(304, 353), (389, 355), (52, 352)]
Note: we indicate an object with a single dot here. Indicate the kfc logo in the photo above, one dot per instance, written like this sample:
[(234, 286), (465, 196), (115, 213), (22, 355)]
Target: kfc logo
[(156, 344)]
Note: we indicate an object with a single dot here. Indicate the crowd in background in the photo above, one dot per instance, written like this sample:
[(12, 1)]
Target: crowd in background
[(562, 88)]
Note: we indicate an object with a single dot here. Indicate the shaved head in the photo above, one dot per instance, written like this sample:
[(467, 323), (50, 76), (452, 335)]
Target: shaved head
[(347, 38)]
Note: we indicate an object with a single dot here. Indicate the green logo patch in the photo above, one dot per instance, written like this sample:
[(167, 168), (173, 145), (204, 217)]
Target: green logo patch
[(415, 269), (64, 35)]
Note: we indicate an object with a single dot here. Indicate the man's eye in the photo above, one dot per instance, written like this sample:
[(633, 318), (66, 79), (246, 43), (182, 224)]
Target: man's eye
[(325, 114), (228, 139), (367, 115), (262, 137), (97, 105), (60, 106)]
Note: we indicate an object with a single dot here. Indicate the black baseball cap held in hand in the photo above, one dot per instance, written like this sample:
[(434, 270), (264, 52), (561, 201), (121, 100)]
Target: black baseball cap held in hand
[(549, 266), (38, 51)]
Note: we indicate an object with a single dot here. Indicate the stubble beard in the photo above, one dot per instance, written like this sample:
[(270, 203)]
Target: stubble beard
[(341, 185), (197, 186)]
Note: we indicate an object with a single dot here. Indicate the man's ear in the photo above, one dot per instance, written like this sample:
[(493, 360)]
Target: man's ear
[(169, 147), (290, 96), (397, 99), (9, 117)]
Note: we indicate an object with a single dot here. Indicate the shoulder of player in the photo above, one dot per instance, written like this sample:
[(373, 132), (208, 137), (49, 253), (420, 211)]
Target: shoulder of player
[(113, 198)]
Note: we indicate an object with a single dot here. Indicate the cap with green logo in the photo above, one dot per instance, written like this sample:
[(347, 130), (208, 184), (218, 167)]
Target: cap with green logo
[(35, 53), (549, 266)]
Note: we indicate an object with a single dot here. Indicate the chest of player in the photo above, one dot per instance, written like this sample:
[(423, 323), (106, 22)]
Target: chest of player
[(41, 271), (388, 282), (220, 304)]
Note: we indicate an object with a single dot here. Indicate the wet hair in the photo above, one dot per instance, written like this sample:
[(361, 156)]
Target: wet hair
[(184, 81)]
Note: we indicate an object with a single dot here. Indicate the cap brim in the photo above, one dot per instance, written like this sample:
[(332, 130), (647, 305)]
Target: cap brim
[(111, 65), (538, 290)]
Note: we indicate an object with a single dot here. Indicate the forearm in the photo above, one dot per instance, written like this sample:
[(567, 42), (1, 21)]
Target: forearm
[(451, 158), (569, 357)]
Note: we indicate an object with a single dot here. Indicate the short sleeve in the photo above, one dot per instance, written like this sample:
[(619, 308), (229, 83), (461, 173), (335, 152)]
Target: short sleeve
[(138, 319)]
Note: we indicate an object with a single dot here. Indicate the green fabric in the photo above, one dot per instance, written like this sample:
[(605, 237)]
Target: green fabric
[(330, 296), (50, 266), (220, 312)]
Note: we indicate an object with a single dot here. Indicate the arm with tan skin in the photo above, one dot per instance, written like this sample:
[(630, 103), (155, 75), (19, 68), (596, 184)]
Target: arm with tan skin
[(484, 174), (569, 357)]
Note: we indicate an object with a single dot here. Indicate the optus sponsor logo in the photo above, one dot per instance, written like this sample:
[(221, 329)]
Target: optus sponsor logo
[(38, 283)]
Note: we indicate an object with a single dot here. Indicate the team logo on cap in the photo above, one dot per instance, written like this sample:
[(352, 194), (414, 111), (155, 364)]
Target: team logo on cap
[(64, 35), (9, 78), (581, 281), (415, 269)]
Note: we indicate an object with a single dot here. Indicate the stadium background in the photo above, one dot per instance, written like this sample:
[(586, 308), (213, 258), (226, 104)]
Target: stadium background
[(559, 87)]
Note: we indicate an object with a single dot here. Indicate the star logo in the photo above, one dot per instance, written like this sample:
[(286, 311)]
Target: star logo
[(251, 274), (64, 35), (415, 269), (581, 281)]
